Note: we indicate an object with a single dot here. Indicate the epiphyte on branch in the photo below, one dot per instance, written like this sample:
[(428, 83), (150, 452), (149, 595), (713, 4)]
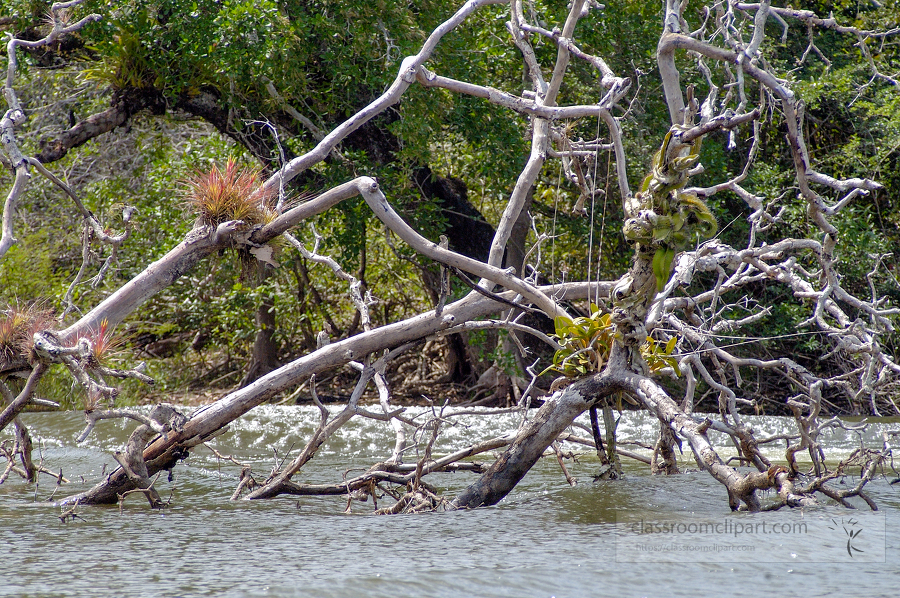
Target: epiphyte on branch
[(664, 218)]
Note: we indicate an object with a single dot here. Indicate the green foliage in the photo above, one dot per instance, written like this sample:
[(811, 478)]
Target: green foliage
[(329, 58), (178, 46), (659, 356), (124, 64), (587, 342), (669, 217)]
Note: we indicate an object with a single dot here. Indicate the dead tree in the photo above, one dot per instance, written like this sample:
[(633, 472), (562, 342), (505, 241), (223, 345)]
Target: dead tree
[(665, 220)]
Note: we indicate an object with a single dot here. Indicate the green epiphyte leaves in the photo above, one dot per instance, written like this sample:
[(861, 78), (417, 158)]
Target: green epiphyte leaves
[(662, 266)]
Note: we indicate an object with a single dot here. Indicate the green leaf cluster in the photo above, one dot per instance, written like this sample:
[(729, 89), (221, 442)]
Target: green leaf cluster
[(587, 342)]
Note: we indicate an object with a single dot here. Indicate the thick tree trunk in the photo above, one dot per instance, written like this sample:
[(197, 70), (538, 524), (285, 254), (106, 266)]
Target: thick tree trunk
[(516, 247), (514, 258), (467, 233), (163, 452), (123, 105), (204, 423), (557, 413), (264, 355)]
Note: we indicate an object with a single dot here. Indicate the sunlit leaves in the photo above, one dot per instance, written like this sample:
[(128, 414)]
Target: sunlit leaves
[(659, 356), (587, 342)]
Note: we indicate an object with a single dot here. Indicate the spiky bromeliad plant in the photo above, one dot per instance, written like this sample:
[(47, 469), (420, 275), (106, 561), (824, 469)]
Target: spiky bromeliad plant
[(105, 344), (17, 327), (218, 196), (234, 193), (13, 335)]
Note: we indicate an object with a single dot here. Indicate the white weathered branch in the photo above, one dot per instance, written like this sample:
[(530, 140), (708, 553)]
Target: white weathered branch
[(376, 200), (391, 96)]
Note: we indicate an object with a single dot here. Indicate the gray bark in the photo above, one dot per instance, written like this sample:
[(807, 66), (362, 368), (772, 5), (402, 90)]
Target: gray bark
[(557, 413), (204, 423)]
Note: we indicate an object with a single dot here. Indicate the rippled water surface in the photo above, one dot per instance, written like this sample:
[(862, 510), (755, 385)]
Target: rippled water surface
[(546, 539)]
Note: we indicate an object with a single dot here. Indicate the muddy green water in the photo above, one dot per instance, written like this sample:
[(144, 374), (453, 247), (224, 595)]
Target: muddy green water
[(546, 539)]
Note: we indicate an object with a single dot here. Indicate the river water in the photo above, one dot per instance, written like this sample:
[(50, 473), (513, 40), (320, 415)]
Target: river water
[(641, 536)]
